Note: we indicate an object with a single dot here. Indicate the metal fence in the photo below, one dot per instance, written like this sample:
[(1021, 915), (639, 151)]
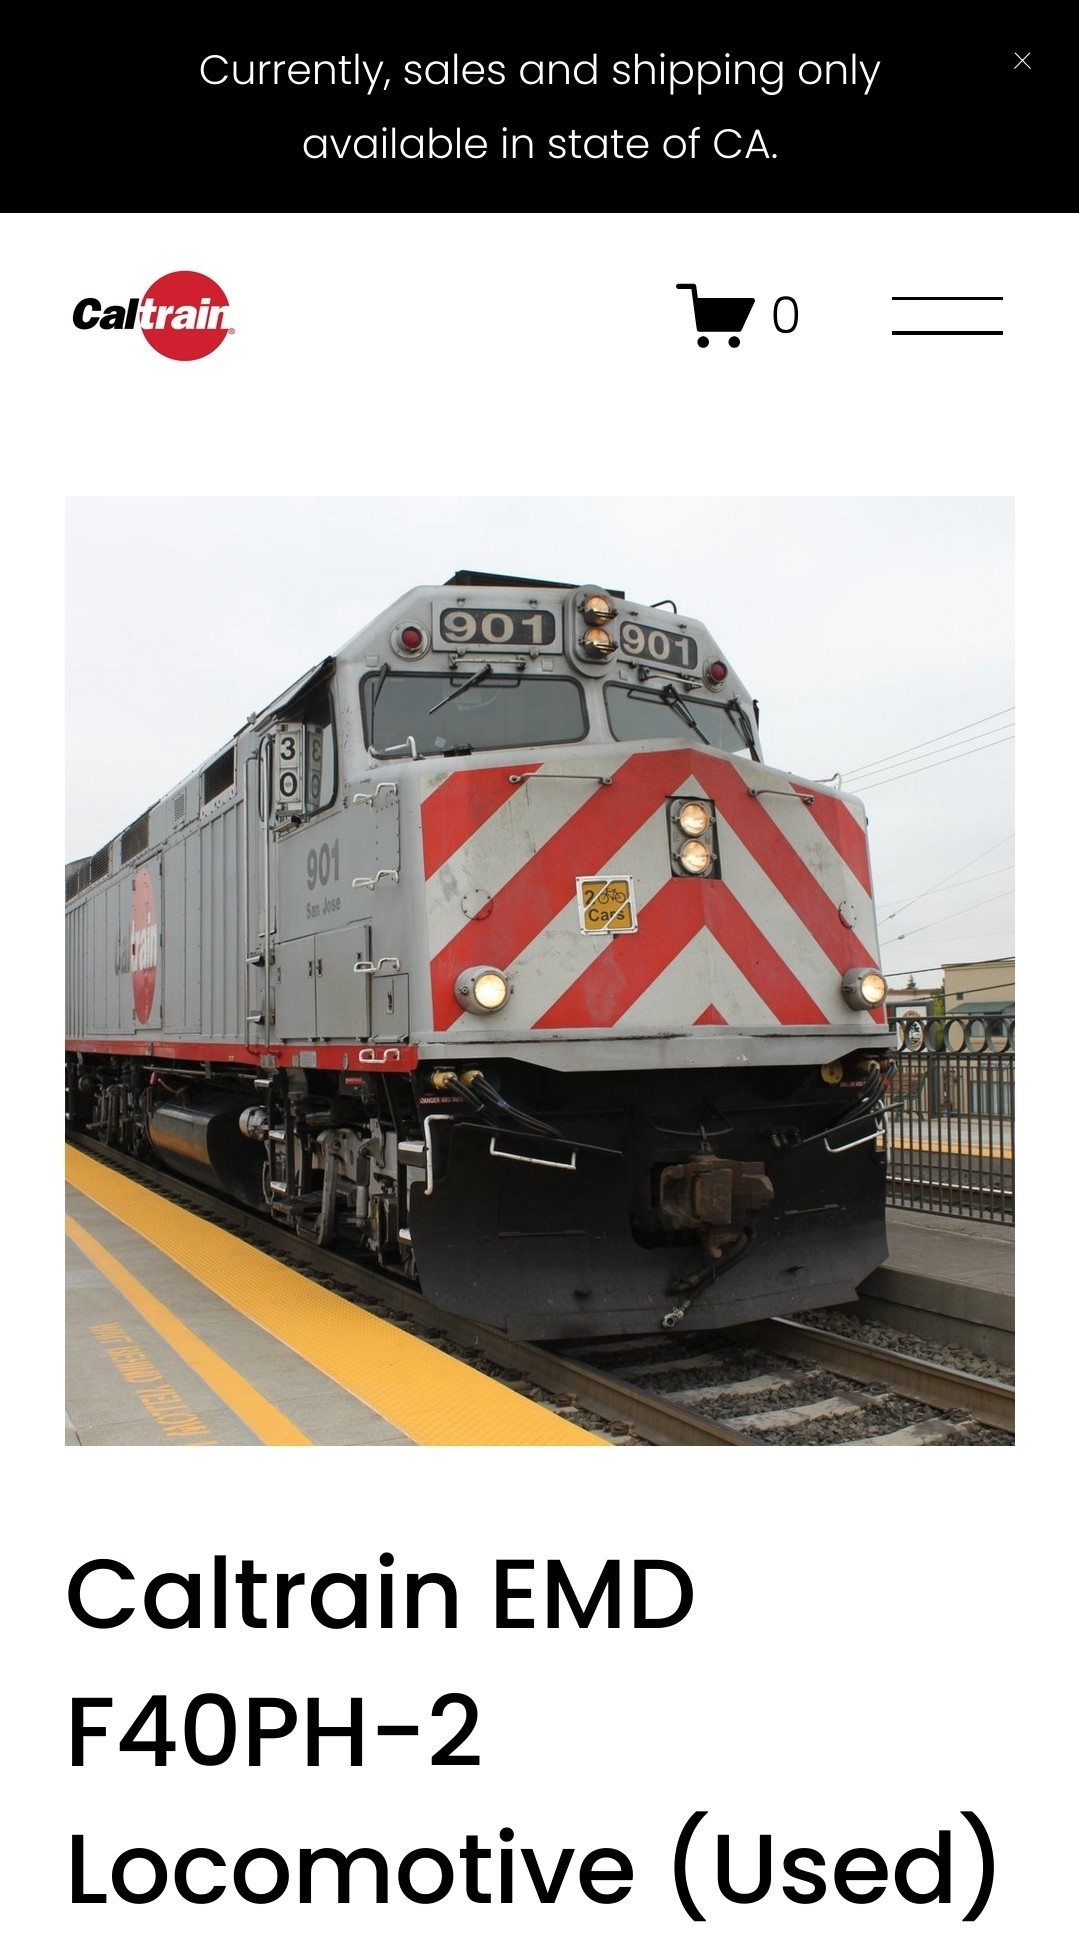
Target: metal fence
[(951, 1117)]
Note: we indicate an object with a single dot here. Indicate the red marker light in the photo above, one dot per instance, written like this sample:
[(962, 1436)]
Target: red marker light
[(716, 673), (411, 638)]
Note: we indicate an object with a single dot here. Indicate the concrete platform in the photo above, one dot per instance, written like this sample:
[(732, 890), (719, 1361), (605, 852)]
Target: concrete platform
[(947, 1278), (182, 1334), (128, 1384)]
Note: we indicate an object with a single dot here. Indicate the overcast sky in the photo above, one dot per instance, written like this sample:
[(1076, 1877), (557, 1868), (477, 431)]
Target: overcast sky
[(864, 627)]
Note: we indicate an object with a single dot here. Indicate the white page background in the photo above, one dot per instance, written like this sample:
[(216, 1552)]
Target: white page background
[(876, 1641)]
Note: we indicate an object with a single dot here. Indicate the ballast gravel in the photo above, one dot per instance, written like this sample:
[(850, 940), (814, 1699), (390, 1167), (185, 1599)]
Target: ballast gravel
[(955, 1356)]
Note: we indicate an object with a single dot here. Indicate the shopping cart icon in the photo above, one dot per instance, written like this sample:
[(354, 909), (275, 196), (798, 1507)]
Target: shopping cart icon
[(718, 315)]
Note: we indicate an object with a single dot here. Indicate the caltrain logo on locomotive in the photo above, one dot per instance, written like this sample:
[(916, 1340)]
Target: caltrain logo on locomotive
[(183, 315), (143, 947)]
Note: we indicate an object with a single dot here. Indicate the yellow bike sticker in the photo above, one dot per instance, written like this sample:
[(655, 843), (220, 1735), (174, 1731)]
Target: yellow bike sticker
[(606, 903)]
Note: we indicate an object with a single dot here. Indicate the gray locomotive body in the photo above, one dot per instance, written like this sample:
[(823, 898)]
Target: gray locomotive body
[(494, 949)]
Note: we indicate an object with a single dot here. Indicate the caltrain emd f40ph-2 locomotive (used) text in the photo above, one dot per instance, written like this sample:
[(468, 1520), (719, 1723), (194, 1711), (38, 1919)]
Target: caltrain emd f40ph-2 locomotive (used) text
[(493, 949)]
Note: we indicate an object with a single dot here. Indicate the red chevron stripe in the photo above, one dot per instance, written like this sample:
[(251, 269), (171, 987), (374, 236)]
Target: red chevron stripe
[(532, 897), (711, 1016), (843, 829), (460, 805), (604, 993), (781, 862)]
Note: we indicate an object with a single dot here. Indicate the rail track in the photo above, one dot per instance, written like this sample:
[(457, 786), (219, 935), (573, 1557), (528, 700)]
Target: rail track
[(789, 1383), (777, 1382)]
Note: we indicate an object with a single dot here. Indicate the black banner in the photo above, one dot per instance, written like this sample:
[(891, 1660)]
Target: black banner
[(742, 118)]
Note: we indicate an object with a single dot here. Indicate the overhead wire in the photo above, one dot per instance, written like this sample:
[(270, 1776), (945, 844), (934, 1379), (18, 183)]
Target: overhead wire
[(886, 781), (939, 921), (866, 766), (982, 853), (1004, 870)]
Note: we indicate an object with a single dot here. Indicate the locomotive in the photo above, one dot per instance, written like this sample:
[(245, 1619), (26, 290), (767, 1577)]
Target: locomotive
[(493, 950)]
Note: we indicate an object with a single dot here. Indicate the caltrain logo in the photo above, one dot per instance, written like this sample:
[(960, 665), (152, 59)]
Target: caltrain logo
[(184, 315), (143, 947)]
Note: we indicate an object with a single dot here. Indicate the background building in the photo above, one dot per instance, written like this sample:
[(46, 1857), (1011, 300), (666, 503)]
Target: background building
[(984, 990)]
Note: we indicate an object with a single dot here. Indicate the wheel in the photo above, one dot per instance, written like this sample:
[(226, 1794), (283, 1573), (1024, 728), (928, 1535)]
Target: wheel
[(734, 342), (702, 342)]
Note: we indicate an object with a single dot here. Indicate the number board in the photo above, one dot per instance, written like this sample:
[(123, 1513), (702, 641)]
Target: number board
[(289, 770), (606, 904), (487, 630), (657, 647)]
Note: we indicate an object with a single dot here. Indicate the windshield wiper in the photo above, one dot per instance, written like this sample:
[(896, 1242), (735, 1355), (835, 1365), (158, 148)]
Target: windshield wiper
[(667, 696), (456, 691), (383, 675), (737, 712), (672, 699)]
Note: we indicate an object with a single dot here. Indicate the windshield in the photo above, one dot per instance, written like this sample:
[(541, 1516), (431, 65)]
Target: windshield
[(469, 712), (639, 713)]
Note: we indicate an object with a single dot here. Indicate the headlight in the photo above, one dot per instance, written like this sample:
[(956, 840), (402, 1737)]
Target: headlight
[(693, 819), (864, 987), (597, 644), (695, 858), (482, 989), (699, 856), (598, 610)]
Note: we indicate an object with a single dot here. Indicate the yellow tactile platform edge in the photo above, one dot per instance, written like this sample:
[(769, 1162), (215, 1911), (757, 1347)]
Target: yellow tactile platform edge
[(266, 1421), (426, 1394)]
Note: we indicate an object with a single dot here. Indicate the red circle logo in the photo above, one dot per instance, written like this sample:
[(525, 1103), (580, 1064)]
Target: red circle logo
[(184, 315), (143, 946)]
